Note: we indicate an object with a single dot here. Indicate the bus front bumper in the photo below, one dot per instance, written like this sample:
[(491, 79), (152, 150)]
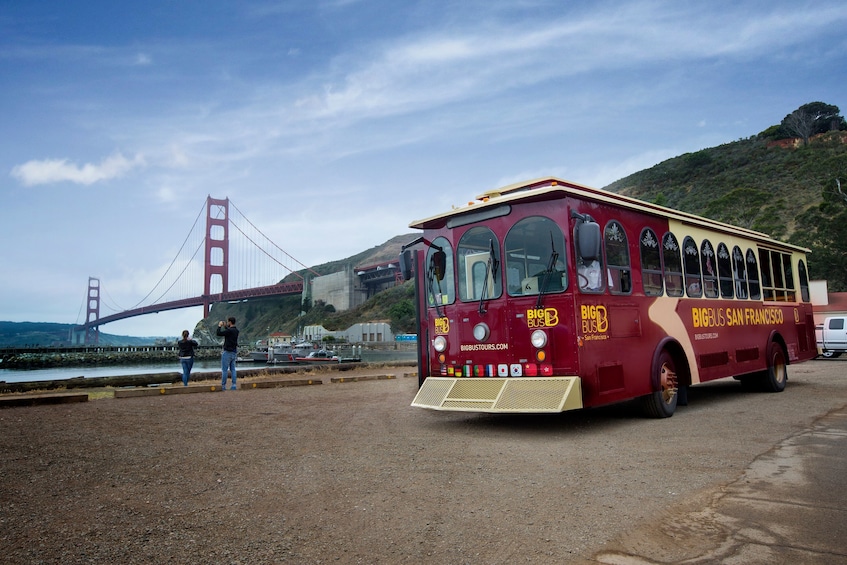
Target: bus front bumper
[(496, 395)]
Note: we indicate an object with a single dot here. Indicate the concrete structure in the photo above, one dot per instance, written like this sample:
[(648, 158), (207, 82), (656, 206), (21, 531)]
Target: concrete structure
[(353, 286), (338, 289), (367, 333)]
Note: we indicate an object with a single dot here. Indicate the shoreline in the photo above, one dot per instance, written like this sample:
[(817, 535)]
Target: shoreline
[(152, 379)]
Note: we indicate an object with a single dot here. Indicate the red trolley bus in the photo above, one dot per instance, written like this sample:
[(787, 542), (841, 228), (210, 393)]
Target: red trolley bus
[(547, 296)]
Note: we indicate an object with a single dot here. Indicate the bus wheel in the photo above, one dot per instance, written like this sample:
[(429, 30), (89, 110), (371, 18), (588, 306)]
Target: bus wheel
[(830, 354), (662, 402), (776, 374)]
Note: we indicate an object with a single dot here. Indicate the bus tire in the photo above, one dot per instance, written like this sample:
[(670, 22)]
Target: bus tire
[(661, 403), (776, 375), (830, 354)]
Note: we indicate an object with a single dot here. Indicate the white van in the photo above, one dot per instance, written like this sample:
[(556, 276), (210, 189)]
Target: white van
[(832, 336)]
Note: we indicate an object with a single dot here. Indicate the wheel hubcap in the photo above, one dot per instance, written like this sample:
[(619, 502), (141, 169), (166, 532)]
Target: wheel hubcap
[(669, 383)]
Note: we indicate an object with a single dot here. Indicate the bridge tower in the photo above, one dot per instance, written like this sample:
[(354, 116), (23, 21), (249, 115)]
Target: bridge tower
[(217, 248), (92, 333)]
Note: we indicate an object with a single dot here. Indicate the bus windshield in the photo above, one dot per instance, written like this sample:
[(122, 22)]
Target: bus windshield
[(535, 257)]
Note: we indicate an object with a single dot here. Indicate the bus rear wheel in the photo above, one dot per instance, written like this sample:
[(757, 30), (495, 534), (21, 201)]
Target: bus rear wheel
[(661, 403), (776, 375)]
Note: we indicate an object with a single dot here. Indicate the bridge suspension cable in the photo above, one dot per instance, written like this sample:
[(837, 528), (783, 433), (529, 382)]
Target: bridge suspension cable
[(252, 261)]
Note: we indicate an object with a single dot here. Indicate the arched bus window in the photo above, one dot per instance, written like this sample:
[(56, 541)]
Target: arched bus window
[(804, 282), (724, 271), (691, 264), (739, 272), (673, 265), (710, 275), (753, 276), (535, 257), (478, 256), (617, 259), (651, 263), (441, 286), (589, 268)]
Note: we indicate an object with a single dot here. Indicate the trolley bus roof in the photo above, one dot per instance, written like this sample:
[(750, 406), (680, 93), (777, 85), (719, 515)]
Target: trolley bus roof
[(495, 203)]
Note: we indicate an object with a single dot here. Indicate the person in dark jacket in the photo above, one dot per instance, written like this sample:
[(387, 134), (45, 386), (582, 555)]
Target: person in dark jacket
[(186, 355), (230, 352)]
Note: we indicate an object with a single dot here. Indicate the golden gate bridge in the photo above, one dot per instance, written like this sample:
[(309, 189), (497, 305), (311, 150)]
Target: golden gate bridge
[(238, 262)]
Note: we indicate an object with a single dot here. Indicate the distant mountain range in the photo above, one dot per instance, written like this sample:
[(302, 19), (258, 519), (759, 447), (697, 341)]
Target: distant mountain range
[(46, 334)]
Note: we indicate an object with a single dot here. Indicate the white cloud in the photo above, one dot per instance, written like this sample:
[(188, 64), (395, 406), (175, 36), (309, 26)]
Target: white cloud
[(50, 171)]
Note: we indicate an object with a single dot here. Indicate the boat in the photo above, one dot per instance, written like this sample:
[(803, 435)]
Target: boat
[(323, 357), (258, 356), (320, 356)]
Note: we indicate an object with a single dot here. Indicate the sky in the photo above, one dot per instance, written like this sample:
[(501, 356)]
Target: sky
[(333, 124)]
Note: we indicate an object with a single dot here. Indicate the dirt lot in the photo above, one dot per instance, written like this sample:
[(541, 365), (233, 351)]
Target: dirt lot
[(349, 473)]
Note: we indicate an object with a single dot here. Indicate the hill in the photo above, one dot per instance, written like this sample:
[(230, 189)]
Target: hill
[(47, 334), (259, 317), (787, 190)]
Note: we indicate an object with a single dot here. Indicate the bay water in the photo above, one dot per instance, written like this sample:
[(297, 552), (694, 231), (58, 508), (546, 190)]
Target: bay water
[(62, 373)]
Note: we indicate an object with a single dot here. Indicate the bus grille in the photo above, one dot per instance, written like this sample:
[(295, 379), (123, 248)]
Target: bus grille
[(546, 394)]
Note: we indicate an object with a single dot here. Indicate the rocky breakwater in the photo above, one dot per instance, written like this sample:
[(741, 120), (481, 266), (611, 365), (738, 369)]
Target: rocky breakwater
[(86, 357)]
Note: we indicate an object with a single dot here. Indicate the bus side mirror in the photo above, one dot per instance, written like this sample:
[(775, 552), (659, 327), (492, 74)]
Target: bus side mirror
[(439, 264), (588, 238), (406, 264)]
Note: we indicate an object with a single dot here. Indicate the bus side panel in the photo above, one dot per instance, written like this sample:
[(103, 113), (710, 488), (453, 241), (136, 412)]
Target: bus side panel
[(614, 360)]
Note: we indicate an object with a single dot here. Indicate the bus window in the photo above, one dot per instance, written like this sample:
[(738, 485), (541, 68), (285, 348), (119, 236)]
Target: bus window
[(724, 271), (804, 282), (651, 263), (535, 257), (739, 272), (767, 279), (691, 263), (790, 294), (710, 279), (441, 287), (777, 276), (617, 259), (673, 265), (588, 256), (753, 276), (478, 267)]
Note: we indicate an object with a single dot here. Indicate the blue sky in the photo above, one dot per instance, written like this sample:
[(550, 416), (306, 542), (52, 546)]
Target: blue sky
[(332, 124)]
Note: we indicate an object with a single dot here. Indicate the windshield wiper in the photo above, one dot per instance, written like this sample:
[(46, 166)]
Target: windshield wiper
[(434, 286), (490, 267), (554, 256)]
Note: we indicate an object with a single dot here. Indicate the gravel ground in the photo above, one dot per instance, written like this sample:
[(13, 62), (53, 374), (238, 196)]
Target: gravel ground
[(349, 473)]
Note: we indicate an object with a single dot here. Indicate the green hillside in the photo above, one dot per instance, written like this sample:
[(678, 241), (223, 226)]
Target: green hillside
[(786, 191)]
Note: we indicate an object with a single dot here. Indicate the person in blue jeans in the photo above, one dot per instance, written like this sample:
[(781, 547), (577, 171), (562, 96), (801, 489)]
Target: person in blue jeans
[(230, 353), (186, 355)]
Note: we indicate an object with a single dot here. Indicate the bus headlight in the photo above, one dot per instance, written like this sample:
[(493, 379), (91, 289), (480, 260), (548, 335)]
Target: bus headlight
[(440, 343), (538, 339), (481, 331)]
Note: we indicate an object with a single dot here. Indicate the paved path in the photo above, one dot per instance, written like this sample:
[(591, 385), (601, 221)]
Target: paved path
[(789, 507)]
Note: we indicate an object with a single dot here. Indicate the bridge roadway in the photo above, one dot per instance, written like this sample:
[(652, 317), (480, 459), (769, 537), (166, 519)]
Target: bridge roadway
[(235, 295)]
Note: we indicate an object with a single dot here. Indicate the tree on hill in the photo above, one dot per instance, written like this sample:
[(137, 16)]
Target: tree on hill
[(813, 118)]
